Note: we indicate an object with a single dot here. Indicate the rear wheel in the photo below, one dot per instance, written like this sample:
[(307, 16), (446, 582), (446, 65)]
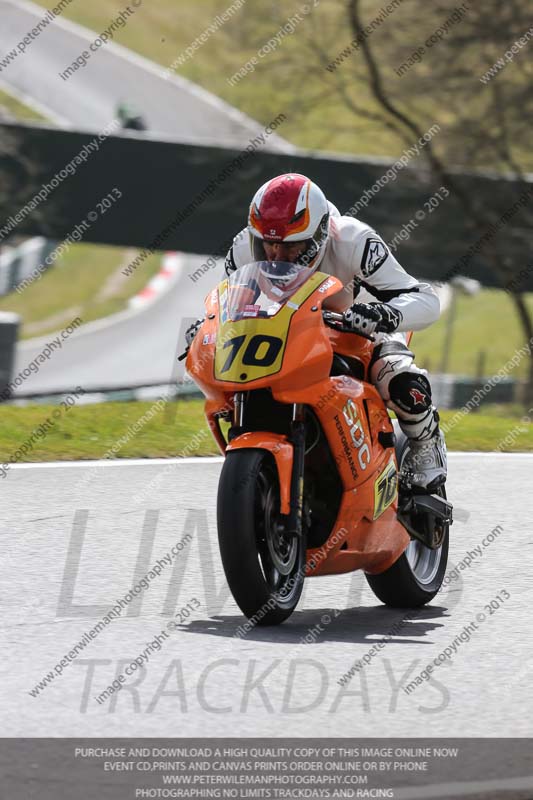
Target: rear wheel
[(416, 577), (264, 566)]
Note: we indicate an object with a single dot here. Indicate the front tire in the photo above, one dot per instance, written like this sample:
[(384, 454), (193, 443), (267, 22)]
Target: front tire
[(264, 567)]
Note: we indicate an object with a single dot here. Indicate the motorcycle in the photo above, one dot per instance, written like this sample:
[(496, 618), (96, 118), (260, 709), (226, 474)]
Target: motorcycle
[(309, 484)]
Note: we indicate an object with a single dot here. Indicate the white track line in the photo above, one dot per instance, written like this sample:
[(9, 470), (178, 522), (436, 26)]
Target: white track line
[(488, 454), (464, 788), (37, 106), (195, 90), (148, 462), (121, 462)]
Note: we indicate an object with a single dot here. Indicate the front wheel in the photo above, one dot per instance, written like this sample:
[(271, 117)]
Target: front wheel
[(264, 566)]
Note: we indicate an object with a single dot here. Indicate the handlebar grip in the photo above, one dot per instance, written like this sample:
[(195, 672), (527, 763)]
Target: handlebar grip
[(333, 315), (336, 321)]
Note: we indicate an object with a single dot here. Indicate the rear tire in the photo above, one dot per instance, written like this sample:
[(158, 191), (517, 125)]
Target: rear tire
[(264, 567), (416, 577)]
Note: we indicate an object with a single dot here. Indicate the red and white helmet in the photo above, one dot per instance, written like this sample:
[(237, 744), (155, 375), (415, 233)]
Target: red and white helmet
[(290, 208)]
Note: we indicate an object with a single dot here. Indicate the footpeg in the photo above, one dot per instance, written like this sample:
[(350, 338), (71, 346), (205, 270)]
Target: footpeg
[(425, 517)]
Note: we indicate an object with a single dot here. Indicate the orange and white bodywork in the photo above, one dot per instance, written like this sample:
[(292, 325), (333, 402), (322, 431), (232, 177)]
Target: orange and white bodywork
[(290, 353)]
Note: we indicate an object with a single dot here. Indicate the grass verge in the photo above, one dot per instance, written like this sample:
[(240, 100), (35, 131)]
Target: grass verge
[(18, 109), (163, 31), (85, 282), (179, 429), (317, 122), (477, 336)]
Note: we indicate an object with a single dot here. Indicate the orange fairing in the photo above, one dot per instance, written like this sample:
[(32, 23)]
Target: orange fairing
[(281, 449), (352, 416), (367, 545), (218, 356), (213, 409), (290, 353)]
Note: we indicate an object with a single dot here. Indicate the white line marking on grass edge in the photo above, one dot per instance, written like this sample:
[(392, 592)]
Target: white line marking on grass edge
[(120, 462), (147, 462)]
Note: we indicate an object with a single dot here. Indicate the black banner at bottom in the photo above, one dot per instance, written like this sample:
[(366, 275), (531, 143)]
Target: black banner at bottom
[(127, 769)]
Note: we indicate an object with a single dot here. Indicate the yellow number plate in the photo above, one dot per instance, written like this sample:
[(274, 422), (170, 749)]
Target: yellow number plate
[(249, 349), (385, 489)]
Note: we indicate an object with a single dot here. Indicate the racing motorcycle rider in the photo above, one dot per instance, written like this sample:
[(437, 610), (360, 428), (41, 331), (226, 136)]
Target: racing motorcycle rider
[(291, 220)]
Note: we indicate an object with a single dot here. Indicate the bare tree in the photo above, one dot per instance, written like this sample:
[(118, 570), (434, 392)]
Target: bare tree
[(422, 64), (487, 121)]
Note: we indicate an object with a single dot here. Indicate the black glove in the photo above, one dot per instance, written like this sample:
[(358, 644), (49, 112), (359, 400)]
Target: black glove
[(192, 330), (372, 318)]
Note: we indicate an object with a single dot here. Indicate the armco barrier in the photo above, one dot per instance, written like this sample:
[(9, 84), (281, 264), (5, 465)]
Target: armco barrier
[(152, 391), (449, 391), (464, 389), (195, 198), (9, 326), (19, 263)]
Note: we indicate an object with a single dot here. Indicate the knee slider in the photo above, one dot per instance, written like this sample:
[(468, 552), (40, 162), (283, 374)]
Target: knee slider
[(411, 392)]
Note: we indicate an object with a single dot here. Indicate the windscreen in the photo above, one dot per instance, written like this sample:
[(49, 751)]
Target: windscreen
[(262, 288)]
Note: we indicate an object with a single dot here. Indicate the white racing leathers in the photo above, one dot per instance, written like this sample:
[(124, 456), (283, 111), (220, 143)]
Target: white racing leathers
[(369, 272), (361, 260)]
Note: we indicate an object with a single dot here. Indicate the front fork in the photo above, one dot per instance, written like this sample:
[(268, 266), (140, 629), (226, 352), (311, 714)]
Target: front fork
[(294, 519)]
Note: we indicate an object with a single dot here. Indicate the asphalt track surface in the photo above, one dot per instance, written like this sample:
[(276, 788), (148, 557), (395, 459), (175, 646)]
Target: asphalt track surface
[(172, 106), (204, 681), (128, 349), (138, 347), (81, 535), (131, 348)]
